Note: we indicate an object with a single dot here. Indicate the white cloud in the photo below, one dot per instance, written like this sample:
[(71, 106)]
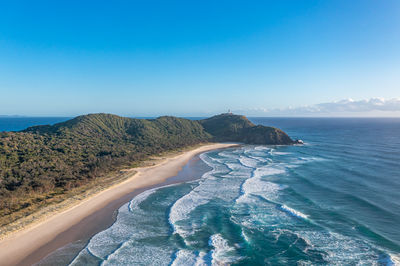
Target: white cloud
[(348, 107)]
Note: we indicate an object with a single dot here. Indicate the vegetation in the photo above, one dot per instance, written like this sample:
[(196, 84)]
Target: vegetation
[(42, 162), (237, 128)]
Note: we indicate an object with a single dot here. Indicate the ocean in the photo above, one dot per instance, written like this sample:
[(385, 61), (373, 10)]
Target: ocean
[(20, 123), (334, 200)]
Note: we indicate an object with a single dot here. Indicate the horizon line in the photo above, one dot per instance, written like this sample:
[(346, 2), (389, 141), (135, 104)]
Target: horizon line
[(185, 116)]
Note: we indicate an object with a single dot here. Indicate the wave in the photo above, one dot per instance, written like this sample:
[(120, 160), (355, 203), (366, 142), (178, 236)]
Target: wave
[(245, 236), (84, 257), (181, 209), (293, 212), (298, 161), (389, 259), (184, 257), (261, 159), (339, 249), (222, 253), (108, 241), (311, 240), (267, 171), (200, 195), (262, 148), (134, 254), (227, 154), (189, 257), (248, 162), (134, 203), (281, 153), (207, 159), (216, 164), (267, 190), (132, 224), (357, 200), (235, 167)]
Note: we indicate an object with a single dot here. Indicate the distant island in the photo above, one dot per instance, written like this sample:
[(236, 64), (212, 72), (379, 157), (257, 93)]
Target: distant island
[(42, 163)]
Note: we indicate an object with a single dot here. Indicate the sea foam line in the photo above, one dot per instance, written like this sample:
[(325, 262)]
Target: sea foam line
[(134, 203), (293, 212), (248, 162)]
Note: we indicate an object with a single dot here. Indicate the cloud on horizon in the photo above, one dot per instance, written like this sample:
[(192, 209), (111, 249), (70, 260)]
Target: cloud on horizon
[(348, 107)]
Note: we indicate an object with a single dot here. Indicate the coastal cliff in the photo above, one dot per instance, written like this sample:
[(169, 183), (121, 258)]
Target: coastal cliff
[(42, 164)]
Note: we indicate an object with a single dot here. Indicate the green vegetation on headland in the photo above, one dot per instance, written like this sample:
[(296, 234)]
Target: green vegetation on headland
[(41, 163), (237, 128)]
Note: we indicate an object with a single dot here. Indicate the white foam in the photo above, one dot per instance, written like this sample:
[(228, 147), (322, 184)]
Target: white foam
[(293, 212), (140, 255), (110, 241), (235, 166), (267, 171), (134, 203), (207, 159), (257, 186), (81, 258), (106, 242), (184, 257), (344, 250), (214, 184), (260, 159), (200, 195), (200, 260), (222, 253), (245, 237), (390, 260), (208, 189), (217, 165), (281, 153), (249, 162), (187, 257), (262, 148), (227, 154), (183, 207), (301, 160)]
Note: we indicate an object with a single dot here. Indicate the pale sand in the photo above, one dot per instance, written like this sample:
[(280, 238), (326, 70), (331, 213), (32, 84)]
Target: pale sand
[(17, 246)]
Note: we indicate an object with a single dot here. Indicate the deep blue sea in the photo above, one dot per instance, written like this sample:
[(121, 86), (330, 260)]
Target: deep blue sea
[(20, 123), (334, 200)]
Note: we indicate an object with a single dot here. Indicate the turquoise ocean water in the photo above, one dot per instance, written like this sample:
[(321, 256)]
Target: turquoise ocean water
[(334, 200)]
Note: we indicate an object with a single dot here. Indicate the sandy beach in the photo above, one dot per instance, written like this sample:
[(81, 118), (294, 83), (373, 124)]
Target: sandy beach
[(32, 244)]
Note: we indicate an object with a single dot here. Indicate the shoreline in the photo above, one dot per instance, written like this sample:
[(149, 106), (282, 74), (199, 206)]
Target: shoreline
[(193, 170), (28, 246)]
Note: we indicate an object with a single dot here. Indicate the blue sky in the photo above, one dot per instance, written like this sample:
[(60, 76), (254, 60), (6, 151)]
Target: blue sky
[(146, 58)]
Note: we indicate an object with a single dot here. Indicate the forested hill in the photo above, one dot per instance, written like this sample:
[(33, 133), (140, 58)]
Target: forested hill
[(42, 161), (237, 128)]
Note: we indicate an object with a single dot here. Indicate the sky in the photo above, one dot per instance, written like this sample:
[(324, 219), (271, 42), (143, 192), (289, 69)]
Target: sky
[(196, 58)]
